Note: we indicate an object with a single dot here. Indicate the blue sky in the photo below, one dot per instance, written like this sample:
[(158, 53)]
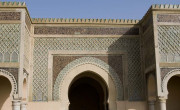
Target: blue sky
[(106, 9)]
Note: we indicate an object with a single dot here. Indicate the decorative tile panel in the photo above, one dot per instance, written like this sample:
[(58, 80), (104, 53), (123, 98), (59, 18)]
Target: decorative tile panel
[(169, 43), (43, 45), (85, 30), (168, 18), (9, 40), (59, 62), (10, 15), (165, 71)]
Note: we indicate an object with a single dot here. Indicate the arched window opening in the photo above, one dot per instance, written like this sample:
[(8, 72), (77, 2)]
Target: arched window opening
[(6, 57), (14, 57), (1, 57)]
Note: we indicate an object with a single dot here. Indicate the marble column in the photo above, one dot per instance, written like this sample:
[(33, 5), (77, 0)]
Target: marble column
[(151, 105), (23, 106), (16, 104), (162, 104)]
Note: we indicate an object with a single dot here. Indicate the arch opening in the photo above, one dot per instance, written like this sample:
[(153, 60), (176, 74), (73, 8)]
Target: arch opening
[(173, 96), (88, 91), (151, 92), (24, 97), (5, 93)]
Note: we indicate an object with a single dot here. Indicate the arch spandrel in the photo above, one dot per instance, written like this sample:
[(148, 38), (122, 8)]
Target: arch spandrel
[(11, 79), (82, 61), (168, 76)]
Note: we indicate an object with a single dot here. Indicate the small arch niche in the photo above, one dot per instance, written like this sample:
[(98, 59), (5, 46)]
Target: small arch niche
[(6, 57), (1, 57), (14, 57)]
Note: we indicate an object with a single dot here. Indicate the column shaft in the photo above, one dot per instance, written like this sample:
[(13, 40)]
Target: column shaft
[(16, 104), (162, 104), (23, 106), (151, 105)]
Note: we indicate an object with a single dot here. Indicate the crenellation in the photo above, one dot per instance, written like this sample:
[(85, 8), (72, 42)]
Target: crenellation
[(12, 4), (97, 21), (165, 6)]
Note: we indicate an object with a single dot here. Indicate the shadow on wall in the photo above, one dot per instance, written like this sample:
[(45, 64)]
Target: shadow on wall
[(5, 90), (127, 64)]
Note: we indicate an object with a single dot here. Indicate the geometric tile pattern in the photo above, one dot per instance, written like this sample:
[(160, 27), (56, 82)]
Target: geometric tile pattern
[(60, 61), (84, 30), (87, 60), (10, 15), (43, 45), (165, 71), (169, 43), (26, 49), (9, 42), (168, 18)]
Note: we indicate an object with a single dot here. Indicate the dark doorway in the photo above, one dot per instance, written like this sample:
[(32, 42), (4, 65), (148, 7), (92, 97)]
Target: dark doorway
[(5, 90), (86, 94), (173, 101)]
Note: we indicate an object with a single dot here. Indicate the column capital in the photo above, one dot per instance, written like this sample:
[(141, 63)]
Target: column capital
[(162, 99), (23, 103), (15, 102), (152, 99), (162, 103), (151, 102), (16, 97)]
